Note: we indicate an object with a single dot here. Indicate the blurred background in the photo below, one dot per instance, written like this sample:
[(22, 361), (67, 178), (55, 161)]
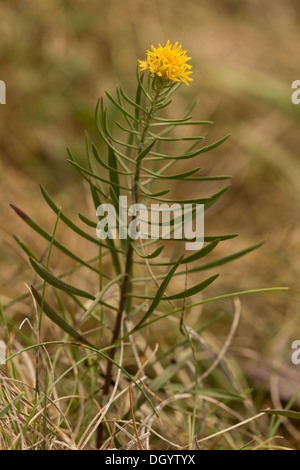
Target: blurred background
[(59, 57)]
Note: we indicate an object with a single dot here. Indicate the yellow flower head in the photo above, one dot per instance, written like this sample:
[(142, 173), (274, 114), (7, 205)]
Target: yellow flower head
[(168, 63)]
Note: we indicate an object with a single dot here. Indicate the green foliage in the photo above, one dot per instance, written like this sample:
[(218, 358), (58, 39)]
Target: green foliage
[(136, 164)]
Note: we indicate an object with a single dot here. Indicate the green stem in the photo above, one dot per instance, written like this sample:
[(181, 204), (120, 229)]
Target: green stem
[(129, 257)]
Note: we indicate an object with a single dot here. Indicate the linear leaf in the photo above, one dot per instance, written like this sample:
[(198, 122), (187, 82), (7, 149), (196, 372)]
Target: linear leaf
[(101, 123), (87, 221), (201, 253), (213, 299), (7, 408), (194, 257), (229, 236), (216, 196), (110, 242), (176, 139), (149, 194), (172, 121), (97, 177), (68, 222), (159, 295), (193, 290), (133, 103), (48, 237), (171, 177), (205, 200), (285, 413), (107, 167), (57, 319), (98, 299), (25, 247), (182, 123), (226, 259), (182, 295), (120, 107), (140, 80), (208, 392), (72, 159), (150, 256), (186, 156), (113, 175), (145, 151)]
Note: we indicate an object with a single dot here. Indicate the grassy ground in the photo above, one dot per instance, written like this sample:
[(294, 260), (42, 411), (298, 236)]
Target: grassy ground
[(57, 58)]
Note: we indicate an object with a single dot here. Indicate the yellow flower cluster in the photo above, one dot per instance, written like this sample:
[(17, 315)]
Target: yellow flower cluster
[(168, 63)]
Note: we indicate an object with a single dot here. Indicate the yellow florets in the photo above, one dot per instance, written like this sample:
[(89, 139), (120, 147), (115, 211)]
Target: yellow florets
[(168, 63)]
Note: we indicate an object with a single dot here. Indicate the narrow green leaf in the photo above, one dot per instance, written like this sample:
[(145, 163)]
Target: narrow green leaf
[(56, 282), (209, 178), (208, 201), (57, 319), (98, 299), (171, 177), (7, 408), (145, 151), (87, 221), (107, 167), (136, 105), (182, 295), (113, 175), (194, 257), (129, 145), (208, 392), (212, 299), (129, 131), (152, 195), (226, 259), (101, 126), (25, 247), (193, 290), (181, 123), (97, 177), (216, 196), (176, 139), (138, 98), (186, 156), (172, 121), (150, 256), (110, 242), (285, 413), (72, 159), (229, 236), (159, 295), (48, 237), (201, 253), (91, 162), (120, 107), (140, 79), (168, 373), (68, 222)]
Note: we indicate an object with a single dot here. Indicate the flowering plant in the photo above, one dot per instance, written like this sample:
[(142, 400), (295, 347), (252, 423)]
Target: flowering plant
[(168, 63), (136, 287)]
